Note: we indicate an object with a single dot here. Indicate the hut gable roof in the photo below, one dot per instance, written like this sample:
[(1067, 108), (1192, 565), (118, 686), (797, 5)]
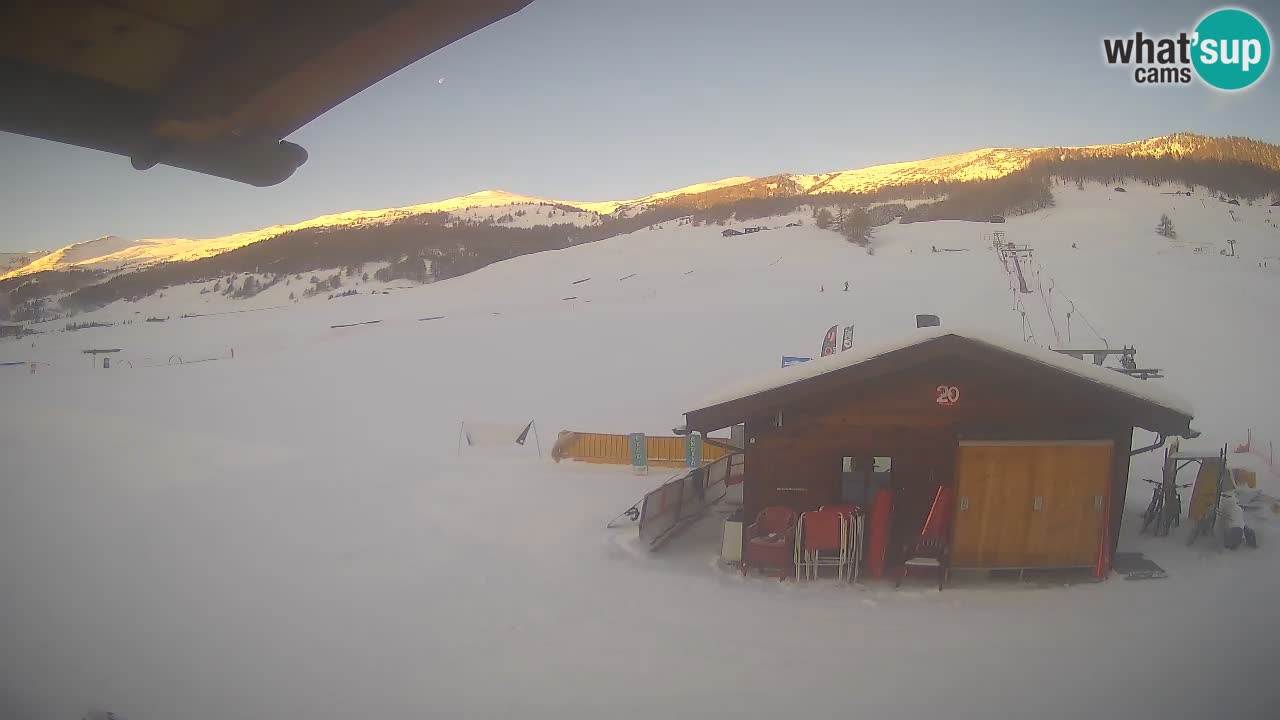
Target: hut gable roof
[(734, 404)]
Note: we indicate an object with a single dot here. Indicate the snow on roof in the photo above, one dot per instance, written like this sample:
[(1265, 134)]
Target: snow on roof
[(1141, 389)]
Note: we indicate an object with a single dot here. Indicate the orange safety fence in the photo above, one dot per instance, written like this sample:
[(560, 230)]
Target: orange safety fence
[(614, 450)]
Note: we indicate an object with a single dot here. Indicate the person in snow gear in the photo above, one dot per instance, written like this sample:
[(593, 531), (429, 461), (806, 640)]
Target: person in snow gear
[(846, 286)]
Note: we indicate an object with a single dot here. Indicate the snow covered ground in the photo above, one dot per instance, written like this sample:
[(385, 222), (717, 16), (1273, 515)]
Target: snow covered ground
[(292, 534)]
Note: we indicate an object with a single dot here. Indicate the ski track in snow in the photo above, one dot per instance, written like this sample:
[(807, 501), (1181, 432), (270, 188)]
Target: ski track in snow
[(292, 534)]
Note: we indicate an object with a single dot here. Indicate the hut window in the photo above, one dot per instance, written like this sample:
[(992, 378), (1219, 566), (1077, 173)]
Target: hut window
[(861, 476)]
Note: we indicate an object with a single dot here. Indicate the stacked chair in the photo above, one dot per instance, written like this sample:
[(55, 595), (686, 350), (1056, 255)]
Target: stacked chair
[(829, 537)]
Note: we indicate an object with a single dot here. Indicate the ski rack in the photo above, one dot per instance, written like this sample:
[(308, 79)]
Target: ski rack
[(1174, 461)]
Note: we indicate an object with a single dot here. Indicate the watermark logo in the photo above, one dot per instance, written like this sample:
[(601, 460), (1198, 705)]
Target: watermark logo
[(1229, 49)]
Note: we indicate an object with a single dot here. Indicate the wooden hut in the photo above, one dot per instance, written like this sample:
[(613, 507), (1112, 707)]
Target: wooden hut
[(1035, 444)]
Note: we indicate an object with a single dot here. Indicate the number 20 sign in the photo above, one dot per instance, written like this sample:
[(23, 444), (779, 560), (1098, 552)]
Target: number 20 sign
[(947, 395)]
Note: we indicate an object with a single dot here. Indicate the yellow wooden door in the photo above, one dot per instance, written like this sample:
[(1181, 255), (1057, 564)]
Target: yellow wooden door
[(973, 478), (1030, 504), (993, 493), (1077, 515)]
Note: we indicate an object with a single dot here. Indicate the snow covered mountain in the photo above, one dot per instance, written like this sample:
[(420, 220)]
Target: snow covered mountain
[(514, 210), (114, 253), (984, 164), (12, 261)]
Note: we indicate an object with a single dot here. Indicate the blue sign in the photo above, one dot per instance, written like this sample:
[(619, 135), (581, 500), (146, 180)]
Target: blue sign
[(788, 361), (693, 450), (639, 455)]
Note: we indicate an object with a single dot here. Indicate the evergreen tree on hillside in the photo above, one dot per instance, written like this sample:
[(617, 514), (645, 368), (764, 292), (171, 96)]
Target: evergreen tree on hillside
[(841, 215), (857, 227), (823, 219), (1165, 228)]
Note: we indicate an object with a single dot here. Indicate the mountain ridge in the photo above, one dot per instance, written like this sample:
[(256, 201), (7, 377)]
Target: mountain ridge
[(971, 165)]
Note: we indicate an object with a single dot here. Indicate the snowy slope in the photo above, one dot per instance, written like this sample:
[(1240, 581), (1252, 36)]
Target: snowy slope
[(293, 533), (984, 164)]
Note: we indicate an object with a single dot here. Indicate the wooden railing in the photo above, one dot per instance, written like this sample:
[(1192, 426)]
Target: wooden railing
[(674, 505)]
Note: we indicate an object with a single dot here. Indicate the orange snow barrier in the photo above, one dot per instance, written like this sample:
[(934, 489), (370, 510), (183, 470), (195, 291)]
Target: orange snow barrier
[(613, 449)]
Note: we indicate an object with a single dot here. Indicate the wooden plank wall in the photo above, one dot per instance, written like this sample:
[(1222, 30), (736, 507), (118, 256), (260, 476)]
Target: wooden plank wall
[(613, 449)]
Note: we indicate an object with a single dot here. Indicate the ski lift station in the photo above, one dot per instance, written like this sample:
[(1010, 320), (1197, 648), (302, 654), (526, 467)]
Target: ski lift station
[(949, 449)]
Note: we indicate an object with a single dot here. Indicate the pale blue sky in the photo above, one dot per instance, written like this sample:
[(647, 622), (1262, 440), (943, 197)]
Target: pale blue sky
[(605, 99)]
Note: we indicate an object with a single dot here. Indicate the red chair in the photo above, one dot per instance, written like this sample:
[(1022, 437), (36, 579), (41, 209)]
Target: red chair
[(821, 541), (931, 548), (770, 540)]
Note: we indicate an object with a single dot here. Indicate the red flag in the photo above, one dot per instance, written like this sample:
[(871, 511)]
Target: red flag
[(829, 342)]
